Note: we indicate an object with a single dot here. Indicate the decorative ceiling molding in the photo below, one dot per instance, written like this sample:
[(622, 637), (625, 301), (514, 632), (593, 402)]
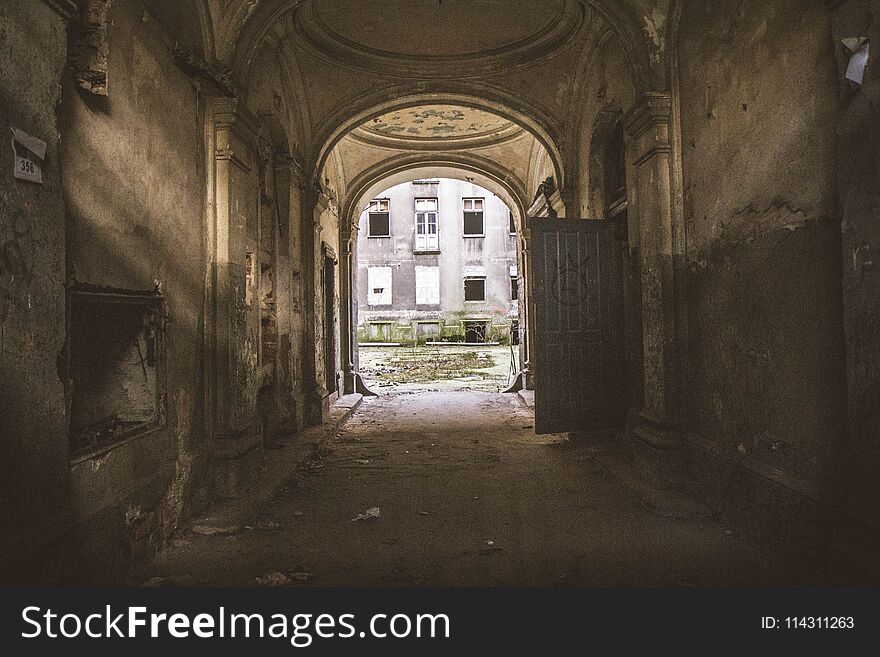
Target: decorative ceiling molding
[(553, 34), (437, 127)]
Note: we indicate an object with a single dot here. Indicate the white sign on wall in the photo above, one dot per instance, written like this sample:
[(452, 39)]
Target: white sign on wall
[(29, 154)]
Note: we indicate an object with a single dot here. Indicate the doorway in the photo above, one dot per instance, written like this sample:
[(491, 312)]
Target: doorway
[(446, 306)]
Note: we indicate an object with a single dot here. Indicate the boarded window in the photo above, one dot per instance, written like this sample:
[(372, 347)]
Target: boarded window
[(427, 286), (473, 217), (379, 219), (475, 289), (427, 233), (379, 286), (428, 330), (380, 331)]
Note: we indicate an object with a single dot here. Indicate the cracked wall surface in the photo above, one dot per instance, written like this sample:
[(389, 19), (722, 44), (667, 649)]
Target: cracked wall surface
[(759, 110)]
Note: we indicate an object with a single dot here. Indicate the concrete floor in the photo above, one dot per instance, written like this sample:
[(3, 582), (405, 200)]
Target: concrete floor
[(468, 495)]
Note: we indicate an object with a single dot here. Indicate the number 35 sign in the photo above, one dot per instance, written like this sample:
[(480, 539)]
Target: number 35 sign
[(29, 154)]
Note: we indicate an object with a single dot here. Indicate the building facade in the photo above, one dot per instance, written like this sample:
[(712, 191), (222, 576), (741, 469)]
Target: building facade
[(437, 262)]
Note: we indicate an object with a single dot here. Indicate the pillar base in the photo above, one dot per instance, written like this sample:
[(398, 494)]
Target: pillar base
[(657, 453), (317, 405), (237, 461), (361, 388)]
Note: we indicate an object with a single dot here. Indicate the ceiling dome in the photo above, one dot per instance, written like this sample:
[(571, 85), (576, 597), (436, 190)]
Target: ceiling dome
[(437, 37), (434, 124)]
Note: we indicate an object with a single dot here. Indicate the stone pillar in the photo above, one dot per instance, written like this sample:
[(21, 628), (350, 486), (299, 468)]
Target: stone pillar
[(317, 405), (655, 438), (232, 329), (567, 203), (346, 314), (527, 319)]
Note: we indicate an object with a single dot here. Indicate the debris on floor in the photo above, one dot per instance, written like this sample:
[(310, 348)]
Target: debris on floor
[(162, 582), (264, 525), (369, 514), (273, 579)]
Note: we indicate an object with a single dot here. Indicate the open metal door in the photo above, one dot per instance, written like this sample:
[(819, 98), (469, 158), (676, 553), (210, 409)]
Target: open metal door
[(572, 326)]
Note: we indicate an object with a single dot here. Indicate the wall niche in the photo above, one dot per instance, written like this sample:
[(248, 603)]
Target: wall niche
[(116, 367)]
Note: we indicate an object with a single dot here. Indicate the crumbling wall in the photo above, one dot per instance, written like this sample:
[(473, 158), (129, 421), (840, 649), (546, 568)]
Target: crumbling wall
[(609, 95), (133, 165), (269, 99), (758, 114), (33, 430), (859, 180)]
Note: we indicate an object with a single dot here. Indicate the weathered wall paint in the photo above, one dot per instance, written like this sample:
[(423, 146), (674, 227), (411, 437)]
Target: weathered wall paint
[(133, 168), (859, 180), (33, 423), (758, 114)]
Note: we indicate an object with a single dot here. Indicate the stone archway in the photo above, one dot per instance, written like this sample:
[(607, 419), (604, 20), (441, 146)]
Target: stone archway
[(402, 169)]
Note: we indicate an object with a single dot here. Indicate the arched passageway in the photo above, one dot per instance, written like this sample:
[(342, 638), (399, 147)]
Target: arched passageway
[(178, 261)]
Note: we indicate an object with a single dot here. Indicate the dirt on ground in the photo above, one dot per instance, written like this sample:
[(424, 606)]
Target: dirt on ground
[(454, 488), (391, 370)]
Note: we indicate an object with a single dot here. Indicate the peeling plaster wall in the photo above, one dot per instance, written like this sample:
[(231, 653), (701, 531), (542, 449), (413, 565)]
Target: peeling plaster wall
[(758, 113), (33, 424), (133, 167), (859, 179), (269, 98), (609, 96)]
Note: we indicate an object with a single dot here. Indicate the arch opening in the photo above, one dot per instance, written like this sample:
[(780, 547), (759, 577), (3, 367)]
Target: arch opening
[(436, 285)]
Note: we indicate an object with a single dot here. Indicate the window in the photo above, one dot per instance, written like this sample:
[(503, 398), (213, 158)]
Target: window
[(514, 332), (475, 289), (116, 368), (379, 220), (473, 217), (427, 238), (427, 286), (379, 286), (512, 226), (514, 288), (476, 332)]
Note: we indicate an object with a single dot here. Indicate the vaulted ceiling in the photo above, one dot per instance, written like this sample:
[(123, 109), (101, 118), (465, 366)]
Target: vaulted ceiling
[(367, 83)]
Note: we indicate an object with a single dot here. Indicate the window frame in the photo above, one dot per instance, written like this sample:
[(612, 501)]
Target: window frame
[(427, 247), (371, 212), (482, 211), (475, 278)]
